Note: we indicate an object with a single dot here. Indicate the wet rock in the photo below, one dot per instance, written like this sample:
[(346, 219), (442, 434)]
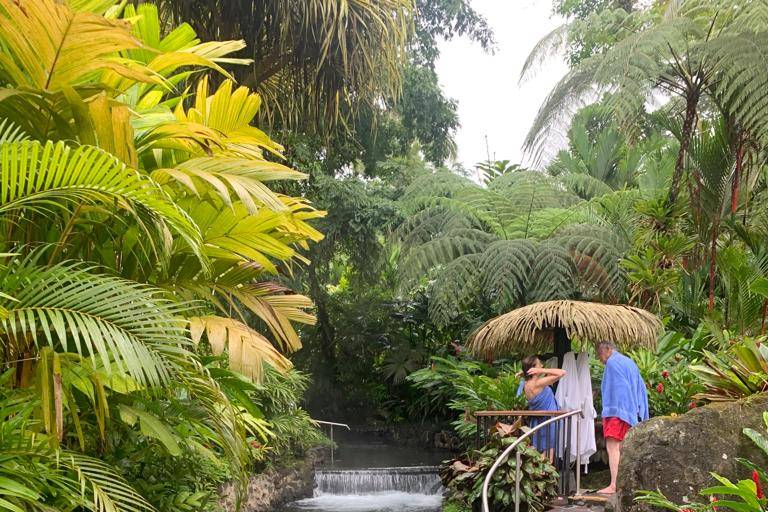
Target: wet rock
[(676, 454), (275, 487)]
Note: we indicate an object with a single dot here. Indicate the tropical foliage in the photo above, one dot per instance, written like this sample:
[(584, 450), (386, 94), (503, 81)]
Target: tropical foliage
[(143, 243), (463, 479), (465, 387)]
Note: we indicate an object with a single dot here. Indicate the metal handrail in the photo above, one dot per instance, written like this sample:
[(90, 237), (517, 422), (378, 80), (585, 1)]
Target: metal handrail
[(501, 458), (332, 424)]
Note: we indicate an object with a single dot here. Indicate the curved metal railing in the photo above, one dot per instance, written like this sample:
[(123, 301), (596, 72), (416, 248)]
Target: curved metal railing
[(501, 458)]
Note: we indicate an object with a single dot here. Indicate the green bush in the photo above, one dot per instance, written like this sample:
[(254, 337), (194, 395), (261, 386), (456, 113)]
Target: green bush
[(467, 387), (672, 386), (463, 478), (737, 372)]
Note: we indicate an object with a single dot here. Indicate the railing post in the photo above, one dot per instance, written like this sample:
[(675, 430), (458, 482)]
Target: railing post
[(578, 454), (333, 446), (518, 475), (561, 416)]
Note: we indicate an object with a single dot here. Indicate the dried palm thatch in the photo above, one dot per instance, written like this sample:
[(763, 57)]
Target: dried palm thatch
[(532, 327)]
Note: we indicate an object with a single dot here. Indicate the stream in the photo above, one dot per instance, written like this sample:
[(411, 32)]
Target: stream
[(373, 476)]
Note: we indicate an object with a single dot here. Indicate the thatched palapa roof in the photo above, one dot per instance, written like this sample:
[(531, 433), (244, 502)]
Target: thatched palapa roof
[(532, 327)]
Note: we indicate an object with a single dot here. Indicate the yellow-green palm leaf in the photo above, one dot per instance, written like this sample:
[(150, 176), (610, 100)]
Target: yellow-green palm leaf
[(47, 45), (40, 177), (108, 319), (246, 348)]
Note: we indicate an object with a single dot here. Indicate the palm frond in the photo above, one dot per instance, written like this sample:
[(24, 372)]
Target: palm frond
[(246, 349), (48, 46), (38, 177), (108, 319)]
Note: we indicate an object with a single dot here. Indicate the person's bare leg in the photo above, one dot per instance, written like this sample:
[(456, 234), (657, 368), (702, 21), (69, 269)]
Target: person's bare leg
[(613, 446)]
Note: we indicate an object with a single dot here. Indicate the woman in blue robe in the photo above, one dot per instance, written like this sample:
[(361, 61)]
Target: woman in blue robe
[(536, 385)]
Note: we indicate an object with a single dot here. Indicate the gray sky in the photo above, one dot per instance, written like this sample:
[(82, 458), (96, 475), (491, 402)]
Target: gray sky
[(486, 86)]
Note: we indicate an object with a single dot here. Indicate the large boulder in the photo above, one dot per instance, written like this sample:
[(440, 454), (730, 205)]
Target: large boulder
[(677, 454)]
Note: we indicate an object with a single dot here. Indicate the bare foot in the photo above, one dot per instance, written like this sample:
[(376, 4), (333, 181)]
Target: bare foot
[(607, 490)]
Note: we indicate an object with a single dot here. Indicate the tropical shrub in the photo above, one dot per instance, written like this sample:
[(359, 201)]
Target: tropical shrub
[(746, 495), (467, 387), (672, 386), (736, 372), (463, 478)]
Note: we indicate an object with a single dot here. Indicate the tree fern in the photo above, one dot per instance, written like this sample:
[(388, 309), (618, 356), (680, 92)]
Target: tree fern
[(554, 274), (512, 245), (506, 271), (455, 288)]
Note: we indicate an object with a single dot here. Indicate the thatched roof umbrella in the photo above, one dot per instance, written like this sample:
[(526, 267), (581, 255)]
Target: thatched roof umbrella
[(537, 326)]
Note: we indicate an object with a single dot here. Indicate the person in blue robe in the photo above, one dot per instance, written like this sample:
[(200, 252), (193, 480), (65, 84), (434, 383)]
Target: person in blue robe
[(536, 385), (625, 403)]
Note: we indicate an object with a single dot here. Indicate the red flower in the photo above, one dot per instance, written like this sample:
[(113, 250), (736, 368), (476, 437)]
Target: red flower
[(255, 444), (713, 499), (686, 510), (665, 374), (759, 488), (660, 387), (692, 405)]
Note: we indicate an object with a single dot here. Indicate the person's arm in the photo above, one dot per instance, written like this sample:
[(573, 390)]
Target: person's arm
[(550, 376)]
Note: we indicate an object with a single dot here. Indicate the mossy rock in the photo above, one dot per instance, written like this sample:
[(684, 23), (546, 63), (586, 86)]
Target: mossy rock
[(676, 455)]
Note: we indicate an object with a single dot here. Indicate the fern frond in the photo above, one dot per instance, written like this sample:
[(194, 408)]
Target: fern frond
[(421, 259), (455, 288), (555, 274), (506, 271)]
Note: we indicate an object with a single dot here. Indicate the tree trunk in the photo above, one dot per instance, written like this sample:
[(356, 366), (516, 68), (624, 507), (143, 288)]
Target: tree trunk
[(692, 102), (737, 175), (562, 345), (712, 263)]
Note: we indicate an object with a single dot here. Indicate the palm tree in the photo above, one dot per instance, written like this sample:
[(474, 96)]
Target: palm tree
[(316, 62), (688, 50), (134, 226)]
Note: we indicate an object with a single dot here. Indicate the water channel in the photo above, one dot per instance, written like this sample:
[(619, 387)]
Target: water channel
[(375, 476)]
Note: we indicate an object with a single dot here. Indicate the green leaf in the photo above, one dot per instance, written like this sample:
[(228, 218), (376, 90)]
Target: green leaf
[(757, 438), (152, 427)]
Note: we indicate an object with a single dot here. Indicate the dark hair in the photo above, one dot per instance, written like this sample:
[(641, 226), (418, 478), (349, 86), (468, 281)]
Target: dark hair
[(528, 363)]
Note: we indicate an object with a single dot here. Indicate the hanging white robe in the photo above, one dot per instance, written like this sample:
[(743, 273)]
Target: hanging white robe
[(574, 391), (568, 396), (587, 446)]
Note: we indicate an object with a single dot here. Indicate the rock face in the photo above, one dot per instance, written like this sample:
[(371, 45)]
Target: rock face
[(275, 487), (676, 454)]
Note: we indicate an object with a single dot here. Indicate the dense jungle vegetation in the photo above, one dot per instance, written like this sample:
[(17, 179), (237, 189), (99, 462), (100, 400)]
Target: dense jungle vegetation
[(219, 220)]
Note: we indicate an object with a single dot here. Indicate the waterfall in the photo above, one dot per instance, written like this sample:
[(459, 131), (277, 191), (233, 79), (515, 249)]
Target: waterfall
[(412, 480)]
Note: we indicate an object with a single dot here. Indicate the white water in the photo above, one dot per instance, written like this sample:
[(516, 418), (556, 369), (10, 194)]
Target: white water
[(400, 489), (379, 502)]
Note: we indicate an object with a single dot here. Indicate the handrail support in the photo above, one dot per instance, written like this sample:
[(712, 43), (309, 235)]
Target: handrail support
[(516, 445)]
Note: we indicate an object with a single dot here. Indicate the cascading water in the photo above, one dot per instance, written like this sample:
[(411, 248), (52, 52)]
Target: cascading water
[(371, 475), (414, 480), (398, 489)]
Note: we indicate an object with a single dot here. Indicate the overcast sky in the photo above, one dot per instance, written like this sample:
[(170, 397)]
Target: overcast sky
[(491, 103)]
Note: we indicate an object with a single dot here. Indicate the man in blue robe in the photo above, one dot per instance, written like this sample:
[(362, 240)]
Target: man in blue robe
[(625, 403)]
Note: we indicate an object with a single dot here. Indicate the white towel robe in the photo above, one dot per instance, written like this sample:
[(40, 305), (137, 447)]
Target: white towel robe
[(574, 391), (587, 446), (568, 396)]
